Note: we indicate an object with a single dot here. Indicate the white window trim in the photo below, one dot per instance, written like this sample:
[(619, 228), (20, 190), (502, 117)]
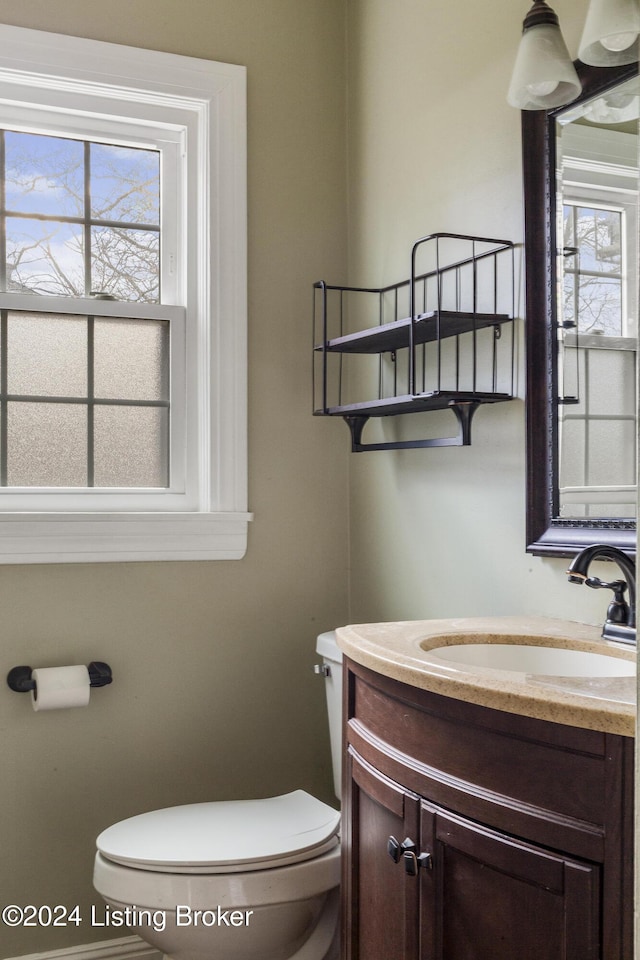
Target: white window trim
[(212, 98)]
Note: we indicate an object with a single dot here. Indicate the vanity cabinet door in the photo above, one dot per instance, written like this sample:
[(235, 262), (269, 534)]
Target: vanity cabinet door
[(490, 896), (381, 921)]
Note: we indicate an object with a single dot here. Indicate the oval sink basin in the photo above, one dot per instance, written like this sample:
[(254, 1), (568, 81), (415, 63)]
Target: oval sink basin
[(542, 661)]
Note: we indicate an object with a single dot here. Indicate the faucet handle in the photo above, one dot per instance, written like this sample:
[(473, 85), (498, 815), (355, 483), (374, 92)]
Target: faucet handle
[(618, 610), (618, 586)]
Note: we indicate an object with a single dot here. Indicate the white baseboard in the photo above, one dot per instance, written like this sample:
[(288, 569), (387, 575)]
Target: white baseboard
[(127, 948)]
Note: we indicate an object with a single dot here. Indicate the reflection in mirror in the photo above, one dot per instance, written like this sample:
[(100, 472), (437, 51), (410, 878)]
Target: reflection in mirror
[(581, 191), (597, 282)]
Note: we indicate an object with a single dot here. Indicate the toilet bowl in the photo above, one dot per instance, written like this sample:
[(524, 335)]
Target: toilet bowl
[(230, 880)]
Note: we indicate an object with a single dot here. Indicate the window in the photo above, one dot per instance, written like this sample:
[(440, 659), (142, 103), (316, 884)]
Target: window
[(122, 303)]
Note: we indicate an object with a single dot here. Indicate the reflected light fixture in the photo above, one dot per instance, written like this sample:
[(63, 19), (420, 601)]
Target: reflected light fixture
[(613, 108), (610, 36), (544, 75)]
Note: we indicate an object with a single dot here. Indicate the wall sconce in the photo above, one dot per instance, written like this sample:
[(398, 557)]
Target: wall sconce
[(544, 75)]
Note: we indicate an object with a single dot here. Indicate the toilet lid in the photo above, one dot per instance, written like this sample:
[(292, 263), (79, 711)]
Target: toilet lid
[(225, 836)]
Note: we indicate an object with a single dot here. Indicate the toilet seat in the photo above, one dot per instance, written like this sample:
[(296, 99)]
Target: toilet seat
[(159, 890), (234, 836)]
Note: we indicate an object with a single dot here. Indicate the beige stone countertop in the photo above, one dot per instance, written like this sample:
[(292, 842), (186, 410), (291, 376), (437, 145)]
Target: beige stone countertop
[(405, 651)]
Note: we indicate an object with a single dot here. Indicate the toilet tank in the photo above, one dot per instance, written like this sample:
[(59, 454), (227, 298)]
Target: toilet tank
[(331, 669)]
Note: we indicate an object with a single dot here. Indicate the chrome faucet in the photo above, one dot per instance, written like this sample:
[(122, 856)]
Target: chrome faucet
[(621, 616)]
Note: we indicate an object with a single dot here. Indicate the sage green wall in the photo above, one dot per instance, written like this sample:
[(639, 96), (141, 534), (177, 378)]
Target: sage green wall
[(433, 146), (214, 695), (199, 708)]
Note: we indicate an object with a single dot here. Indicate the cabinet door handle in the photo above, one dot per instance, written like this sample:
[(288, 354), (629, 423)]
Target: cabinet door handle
[(412, 863), (395, 849)]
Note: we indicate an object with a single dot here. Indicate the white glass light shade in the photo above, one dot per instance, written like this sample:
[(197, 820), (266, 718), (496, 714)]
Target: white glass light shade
[(544, 75), (613, 108), (610, 36)]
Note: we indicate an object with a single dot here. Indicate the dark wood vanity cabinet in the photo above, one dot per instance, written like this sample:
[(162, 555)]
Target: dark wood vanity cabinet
[(474, 834)]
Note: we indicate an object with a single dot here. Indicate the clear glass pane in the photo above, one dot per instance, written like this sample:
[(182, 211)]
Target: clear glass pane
[(598, 239), (131, 359), (44, 174), (46, 355), (568, 225), (45, 257), (131, 446), (46, 445), (125, 184), (600, 305), (568, 317), (126, 263)]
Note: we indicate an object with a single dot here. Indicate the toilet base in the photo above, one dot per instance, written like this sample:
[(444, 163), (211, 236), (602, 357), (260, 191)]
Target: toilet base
[(304, 930)]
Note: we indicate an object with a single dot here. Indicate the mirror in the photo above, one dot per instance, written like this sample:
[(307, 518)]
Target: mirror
[(581, 189)]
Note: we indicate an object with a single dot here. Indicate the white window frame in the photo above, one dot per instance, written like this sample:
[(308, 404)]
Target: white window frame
[(201, 106)]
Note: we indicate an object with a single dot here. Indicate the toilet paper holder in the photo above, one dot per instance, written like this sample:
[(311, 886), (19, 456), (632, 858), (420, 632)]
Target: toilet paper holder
[(20, 679)]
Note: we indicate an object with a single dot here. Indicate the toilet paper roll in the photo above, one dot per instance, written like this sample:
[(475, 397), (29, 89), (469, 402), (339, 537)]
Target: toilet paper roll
[(58, 687)]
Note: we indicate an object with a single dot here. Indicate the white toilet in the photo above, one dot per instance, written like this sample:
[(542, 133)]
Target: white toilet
[(232, 880)]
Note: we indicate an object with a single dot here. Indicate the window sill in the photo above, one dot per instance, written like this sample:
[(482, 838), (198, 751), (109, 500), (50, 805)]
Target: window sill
[(121, 537)]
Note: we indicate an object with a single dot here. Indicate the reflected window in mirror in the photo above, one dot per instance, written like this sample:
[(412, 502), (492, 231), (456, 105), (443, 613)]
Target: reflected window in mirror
[(581, 217), (597, 217)]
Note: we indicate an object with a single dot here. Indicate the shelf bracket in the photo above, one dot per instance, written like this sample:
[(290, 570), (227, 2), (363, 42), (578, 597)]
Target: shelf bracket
[(464, 411)]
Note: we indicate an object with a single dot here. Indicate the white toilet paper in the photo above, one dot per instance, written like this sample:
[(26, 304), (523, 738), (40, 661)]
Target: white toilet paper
[(58, 687)]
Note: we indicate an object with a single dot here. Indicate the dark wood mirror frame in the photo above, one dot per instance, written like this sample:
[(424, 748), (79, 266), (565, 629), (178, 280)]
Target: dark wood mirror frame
[(547, 534)]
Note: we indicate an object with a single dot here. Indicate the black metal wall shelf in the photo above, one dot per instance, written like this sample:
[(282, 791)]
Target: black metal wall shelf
[(393, 336), (443, 348)]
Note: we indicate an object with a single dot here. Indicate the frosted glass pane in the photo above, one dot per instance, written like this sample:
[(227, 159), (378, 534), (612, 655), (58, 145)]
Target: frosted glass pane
[(572, 362), (126, 263), (125, 184), (47, 355), (45, 257), (44, 174), (130, 446), (612, 447), (573, 510), (612, 382), (131, 359), (572, 453), (613, 510), (46, 445)]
